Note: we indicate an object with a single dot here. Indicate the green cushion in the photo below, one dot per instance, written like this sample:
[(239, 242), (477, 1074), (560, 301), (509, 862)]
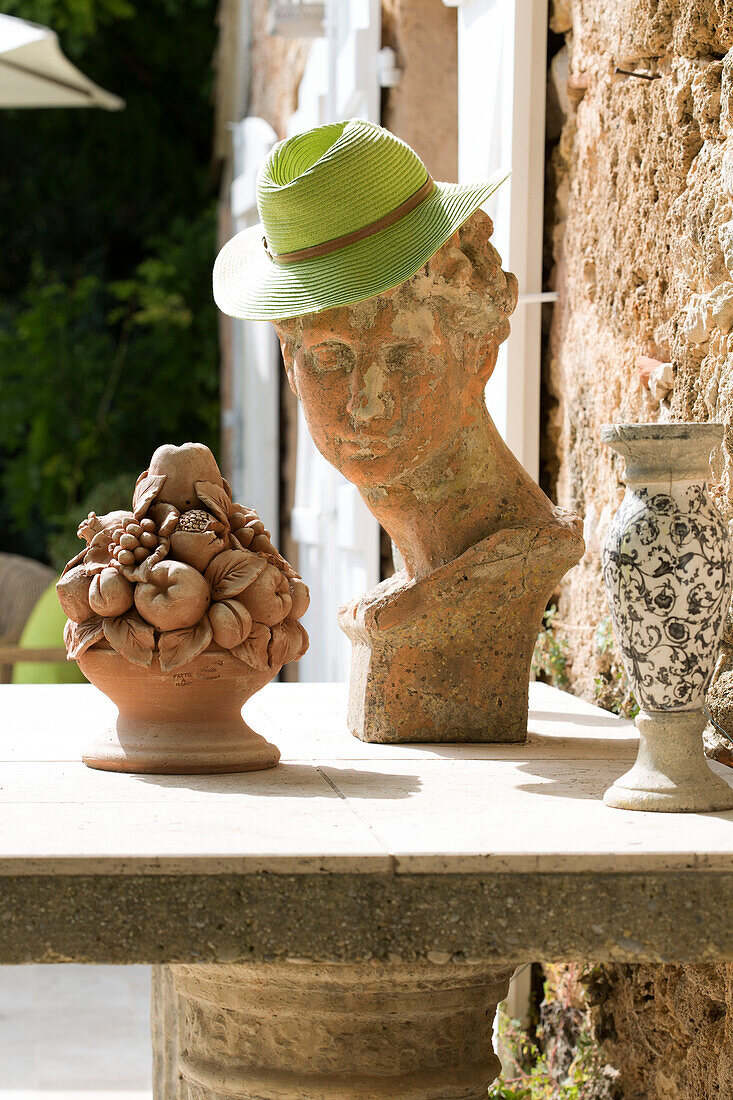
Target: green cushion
[(45, 629)]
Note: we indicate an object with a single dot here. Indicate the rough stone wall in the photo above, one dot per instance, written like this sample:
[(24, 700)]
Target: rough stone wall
[(643, 250), (668, 1029), (660, 1032), (643, 253)]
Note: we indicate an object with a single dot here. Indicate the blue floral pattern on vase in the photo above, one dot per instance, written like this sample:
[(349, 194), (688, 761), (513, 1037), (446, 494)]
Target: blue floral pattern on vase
[(667, 572)]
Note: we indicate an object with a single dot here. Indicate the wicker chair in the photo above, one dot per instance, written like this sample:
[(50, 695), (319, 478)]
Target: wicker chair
[(22, 583)]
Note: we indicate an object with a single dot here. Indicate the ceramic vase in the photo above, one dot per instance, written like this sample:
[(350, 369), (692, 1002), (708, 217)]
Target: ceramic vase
[(668, 577)]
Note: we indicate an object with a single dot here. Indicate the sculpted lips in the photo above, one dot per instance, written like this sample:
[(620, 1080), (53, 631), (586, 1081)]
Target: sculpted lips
[(363, 448)]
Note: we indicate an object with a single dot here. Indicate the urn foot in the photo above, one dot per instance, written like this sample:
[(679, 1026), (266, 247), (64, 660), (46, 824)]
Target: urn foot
[(149, 750), (187, 722), (671, 773), (305, 1031)]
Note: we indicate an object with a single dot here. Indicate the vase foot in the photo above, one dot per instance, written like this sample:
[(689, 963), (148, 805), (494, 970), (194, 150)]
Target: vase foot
[(671, 774), (714, 795), (178, 753), (185, 722)]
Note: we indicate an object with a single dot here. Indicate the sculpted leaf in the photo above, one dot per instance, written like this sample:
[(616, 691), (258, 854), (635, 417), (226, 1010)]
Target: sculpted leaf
[(214, 498), (254, 651), (78, 637), (146, 490), (76, 560), (131, 637), (289, 642), (230, 572), (98, 556), (178, 647)]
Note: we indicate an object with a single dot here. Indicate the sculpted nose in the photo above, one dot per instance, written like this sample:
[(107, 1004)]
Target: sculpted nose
[(366, 401)]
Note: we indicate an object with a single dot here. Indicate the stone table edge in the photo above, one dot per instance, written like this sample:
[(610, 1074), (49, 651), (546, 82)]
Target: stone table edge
[(229, 918)]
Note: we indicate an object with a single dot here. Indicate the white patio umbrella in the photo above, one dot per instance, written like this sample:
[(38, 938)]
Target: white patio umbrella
[(35, 73)]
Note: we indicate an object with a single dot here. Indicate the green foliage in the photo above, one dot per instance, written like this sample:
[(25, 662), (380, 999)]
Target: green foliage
[(503, 1092), (551, 654), (94, 376), (611, 685), (531, 1076), (76, 20), (552, 659), (107, 325)]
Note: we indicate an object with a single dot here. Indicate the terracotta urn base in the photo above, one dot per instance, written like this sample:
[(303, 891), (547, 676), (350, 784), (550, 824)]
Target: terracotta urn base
[(184, 722)]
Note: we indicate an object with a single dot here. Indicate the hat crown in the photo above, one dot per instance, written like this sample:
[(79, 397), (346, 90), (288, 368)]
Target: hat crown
[(332, 181)]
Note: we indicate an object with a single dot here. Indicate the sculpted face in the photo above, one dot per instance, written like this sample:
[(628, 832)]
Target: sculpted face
[(378, 387), (385, 383)]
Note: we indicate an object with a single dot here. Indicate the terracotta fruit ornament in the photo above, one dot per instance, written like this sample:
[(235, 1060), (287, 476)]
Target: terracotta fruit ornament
[(179, 610)]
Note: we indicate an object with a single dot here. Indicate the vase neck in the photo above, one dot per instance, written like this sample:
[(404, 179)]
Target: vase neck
[(636, 478), (664, 453)]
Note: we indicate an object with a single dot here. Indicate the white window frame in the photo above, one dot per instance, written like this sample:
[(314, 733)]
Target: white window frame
[(502, 75), (254, 415), (337, 536)]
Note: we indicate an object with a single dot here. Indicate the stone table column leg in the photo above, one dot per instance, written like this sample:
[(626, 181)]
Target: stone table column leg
[(164, 1016), (305, 1031)]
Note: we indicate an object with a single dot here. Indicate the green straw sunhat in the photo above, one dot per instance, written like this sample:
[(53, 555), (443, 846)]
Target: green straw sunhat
[(348, 211)]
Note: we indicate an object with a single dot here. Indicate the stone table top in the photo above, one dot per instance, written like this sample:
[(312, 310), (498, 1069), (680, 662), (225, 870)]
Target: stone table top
[(349, 850)]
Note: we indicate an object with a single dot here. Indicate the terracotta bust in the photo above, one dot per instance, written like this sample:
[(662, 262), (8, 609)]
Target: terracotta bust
[(392, 389), (390, 303)]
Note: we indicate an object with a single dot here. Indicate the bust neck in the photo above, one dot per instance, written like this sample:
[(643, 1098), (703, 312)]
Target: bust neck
[(469, 489)]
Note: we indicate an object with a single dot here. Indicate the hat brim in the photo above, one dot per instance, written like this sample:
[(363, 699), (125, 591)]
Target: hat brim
[(251, 286)]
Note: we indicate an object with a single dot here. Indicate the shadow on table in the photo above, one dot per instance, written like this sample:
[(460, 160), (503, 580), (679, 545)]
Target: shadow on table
[(612, 722), (590, 783), (295, 781)]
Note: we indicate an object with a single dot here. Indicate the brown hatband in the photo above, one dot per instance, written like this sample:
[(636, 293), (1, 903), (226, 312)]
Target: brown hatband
[(358, 235)]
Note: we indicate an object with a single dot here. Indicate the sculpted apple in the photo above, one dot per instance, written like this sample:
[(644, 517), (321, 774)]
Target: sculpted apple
[(268, 597), (176, 596), (73, 593), (231, 623)]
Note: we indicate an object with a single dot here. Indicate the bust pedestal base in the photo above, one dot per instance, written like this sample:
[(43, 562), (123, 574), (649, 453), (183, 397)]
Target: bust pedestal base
[(306, 1031), (671, 773), (447, 658)]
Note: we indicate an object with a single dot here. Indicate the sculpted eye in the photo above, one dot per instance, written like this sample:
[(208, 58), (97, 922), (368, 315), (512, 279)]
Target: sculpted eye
[(403, 357), (332, 357)]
